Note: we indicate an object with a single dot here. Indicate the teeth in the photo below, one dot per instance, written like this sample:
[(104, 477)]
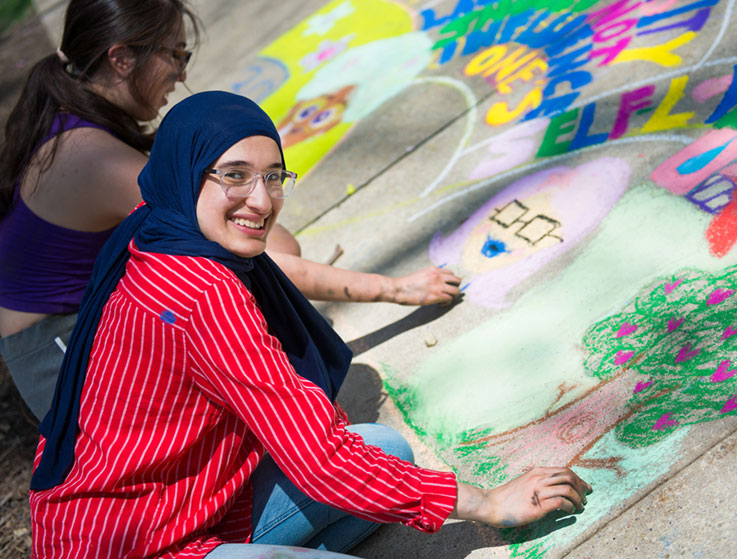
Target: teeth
[(247, 223)]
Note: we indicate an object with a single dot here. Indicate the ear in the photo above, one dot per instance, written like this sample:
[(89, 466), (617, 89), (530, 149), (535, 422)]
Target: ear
[(121, 60)]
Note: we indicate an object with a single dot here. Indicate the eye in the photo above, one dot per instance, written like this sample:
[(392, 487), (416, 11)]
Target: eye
[(238, 176), (275, 178), (306, 112), (325, 117)]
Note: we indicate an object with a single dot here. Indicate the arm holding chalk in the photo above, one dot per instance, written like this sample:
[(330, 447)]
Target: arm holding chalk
[(327, 283)]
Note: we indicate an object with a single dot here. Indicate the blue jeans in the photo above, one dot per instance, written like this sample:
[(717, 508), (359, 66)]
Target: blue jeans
[(284, 516)]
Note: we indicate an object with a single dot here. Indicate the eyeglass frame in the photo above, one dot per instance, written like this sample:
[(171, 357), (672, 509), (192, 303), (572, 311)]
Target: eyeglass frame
[(220, 173), (180, 56)]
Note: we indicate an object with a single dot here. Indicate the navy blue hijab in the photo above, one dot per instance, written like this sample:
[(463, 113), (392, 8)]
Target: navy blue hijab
[(192, 135)]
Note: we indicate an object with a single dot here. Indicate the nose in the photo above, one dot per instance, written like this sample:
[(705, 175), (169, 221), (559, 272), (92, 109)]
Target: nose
[(182, 76), (259, 199)]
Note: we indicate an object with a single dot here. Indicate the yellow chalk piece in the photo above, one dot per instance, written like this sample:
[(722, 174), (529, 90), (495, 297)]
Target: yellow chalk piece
[(660, 54), (350, 189), (661, 119)]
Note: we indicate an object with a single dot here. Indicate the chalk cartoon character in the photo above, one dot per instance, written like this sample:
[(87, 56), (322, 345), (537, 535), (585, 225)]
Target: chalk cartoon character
[(313, 116), (357, 81)]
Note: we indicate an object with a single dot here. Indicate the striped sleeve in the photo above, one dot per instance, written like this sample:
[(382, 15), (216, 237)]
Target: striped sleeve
[(236, 363)]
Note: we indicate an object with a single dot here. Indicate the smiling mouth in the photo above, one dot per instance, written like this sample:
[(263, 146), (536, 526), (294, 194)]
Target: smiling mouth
[(248, 223)]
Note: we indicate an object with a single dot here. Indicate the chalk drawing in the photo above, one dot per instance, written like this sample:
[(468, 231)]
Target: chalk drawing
[(543, 52), (683, 348), (313, 116), (530, 219), (596, 313), (521, 346), (342, 46), (588, 385)]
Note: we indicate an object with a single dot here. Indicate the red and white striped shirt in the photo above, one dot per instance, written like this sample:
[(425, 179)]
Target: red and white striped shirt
[(185, 392)]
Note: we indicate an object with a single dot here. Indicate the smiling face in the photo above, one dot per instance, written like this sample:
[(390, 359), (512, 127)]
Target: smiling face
[(241, 225)]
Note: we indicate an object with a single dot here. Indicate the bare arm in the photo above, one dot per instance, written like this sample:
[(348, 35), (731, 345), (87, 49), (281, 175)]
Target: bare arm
[(525, 499), (328, 283), (92, 183)]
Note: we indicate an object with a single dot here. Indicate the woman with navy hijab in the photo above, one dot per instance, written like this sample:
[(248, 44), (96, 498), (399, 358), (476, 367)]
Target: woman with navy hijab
[(194, 414)]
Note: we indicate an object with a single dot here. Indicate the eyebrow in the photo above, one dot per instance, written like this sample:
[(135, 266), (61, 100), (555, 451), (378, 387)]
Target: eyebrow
[(241, 163)]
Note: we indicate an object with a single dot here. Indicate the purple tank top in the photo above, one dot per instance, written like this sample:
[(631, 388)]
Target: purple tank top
[(44, 268)]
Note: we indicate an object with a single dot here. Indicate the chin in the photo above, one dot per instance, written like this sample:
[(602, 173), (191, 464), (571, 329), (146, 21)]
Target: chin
[(248, 251)]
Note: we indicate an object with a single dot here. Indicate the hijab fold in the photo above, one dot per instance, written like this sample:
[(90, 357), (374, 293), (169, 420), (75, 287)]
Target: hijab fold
[(193, 134)]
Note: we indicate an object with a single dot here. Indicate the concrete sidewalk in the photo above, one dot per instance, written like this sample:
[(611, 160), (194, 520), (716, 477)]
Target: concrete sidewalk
[(594, 236)]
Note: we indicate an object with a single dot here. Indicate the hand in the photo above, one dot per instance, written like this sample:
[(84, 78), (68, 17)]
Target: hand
[(426, 287), (525, 499)]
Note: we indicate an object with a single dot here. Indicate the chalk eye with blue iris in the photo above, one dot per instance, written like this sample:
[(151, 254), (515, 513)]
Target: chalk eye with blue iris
[(493, 247)]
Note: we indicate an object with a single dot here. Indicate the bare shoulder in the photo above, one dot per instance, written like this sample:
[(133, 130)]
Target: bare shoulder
[(91, 184)]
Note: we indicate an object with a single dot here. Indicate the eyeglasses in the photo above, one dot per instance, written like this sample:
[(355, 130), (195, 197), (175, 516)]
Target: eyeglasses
[(180, 56), (240, 182)]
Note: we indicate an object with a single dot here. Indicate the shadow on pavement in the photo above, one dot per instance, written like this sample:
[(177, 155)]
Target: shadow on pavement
[(419, 317)]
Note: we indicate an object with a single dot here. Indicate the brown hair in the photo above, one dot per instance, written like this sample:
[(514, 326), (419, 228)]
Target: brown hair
[(91, 27)]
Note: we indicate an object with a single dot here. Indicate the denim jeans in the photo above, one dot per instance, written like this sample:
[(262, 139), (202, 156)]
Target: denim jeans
[(34, 357), (284, 516)]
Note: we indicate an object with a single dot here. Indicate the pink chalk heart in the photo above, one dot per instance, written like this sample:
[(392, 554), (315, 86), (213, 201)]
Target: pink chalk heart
[(674, 323), (626, 329), (729, 332), (723, 372), (664, 421), (719, 296), (641, 386), (669, 287), (730, 405), (623, 357), (685, 354)]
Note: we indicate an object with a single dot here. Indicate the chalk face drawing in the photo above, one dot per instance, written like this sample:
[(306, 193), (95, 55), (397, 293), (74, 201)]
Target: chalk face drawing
[(528, 225), (313, 116)]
